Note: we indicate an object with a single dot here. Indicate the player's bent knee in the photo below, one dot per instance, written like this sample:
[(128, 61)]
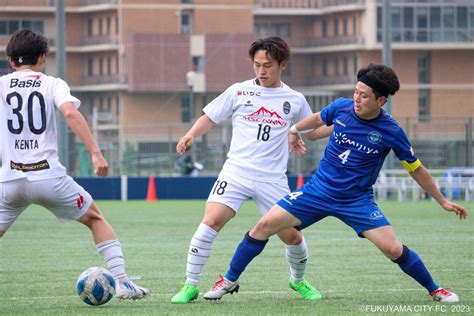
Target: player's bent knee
[(291, 236), (393, 250), (91, 216)]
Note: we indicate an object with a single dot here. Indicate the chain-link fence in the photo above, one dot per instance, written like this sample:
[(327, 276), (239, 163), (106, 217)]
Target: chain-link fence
[(440, 143)]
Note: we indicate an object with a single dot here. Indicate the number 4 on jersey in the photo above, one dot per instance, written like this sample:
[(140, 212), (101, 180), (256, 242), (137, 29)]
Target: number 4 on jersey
[(344, 156), (294, 195)]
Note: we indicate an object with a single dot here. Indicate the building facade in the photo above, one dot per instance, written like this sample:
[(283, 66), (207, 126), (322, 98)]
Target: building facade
[(144, 69)]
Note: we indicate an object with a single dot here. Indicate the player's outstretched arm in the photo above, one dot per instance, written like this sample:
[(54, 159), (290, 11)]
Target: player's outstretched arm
[(424, 179), (308, 124), (320, 132), (202, 125), (77, 123)]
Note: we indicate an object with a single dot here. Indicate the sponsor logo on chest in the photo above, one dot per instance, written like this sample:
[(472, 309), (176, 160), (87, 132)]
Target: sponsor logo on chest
[(263, 115)]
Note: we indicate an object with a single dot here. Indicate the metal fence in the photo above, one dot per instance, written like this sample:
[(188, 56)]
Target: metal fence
[(440, 143)]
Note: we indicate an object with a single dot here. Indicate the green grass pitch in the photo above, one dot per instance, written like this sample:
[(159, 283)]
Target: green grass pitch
[(40, 261)]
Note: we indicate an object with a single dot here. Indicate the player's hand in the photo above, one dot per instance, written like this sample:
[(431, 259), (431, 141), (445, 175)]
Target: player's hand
[(183, 144), (101, 166), (297, 146), (456, 208)]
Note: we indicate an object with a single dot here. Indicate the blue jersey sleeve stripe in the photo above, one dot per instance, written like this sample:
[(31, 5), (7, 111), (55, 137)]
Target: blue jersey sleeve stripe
[(411, 166)]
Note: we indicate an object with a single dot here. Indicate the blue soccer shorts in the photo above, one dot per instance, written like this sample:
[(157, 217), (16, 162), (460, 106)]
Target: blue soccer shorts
[(311, 206)]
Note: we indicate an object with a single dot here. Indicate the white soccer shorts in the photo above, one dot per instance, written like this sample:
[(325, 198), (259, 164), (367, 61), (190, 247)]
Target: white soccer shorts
[(232, 190), (66, 199)]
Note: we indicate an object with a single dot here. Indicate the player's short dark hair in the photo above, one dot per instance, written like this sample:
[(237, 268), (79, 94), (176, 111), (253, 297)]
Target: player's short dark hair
[(25, 46), (274, 46), (381, 78)]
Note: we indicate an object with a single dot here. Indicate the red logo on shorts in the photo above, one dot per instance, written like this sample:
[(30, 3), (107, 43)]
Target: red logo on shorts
[(80, 201)]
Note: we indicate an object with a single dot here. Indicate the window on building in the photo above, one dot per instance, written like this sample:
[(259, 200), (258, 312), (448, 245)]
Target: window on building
[(109, 25), (117, 105), (198, 63), (336, 66), (324, 29), (7, 27), (324, 67), (101, 66), (101, 26), (185, 109), (355, 64), (424, 68), (109, 65), (336, 27), (421, 24), (4, 28), (90, 26), (423, 105), (90, 106), (101, 104), (186, 22), (265, 29), (355, 22), (435, 17), (345, 30), (90, 67), (13, 25), (345, 65), (4, 67), (408, 17)]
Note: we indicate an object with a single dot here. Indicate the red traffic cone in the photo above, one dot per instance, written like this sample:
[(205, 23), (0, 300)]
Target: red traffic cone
[(300, 181), (151, 192)]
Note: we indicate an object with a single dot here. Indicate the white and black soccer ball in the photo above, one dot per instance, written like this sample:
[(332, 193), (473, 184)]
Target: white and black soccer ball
[(95, 286)]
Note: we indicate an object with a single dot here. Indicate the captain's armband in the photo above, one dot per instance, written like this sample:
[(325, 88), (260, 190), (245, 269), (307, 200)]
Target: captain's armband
[(411, 166)]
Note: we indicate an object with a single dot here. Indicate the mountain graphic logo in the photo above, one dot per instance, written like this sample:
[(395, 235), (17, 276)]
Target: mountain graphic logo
[(262, 111), (263, 115)]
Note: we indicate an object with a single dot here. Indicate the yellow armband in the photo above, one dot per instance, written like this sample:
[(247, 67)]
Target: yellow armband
[(411, 166)]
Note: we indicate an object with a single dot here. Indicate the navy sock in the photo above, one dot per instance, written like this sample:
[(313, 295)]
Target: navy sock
[(248, 249), (412, 265)]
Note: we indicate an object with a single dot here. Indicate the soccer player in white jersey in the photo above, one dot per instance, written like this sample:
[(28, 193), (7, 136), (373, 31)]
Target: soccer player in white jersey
[(31, 171), (262, 111)]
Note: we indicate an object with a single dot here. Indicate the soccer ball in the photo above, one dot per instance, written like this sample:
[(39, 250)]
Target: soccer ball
[(95, 286)]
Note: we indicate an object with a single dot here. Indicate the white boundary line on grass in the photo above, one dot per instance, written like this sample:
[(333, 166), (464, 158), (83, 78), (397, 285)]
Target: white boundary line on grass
[(240, 293)]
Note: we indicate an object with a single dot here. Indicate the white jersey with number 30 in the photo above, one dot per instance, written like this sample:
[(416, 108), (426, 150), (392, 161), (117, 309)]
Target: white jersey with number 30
[(261, 118), (28, 125)]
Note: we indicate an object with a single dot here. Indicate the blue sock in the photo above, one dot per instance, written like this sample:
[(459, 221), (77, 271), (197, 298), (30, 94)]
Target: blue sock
[(248, 249), (412, 265)]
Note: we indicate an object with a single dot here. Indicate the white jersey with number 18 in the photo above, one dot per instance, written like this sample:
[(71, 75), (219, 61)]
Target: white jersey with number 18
[(261, 118), (28, 125)]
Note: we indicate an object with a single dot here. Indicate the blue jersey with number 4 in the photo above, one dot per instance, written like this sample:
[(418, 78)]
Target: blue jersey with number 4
[(356, 151)]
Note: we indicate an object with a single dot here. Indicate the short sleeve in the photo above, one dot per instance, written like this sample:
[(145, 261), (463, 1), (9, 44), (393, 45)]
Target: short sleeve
[(404, 151), (221, 107), (62, 94), (305, 110), (329, 112)]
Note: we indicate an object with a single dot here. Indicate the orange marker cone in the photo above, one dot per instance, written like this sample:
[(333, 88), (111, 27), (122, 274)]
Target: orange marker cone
[(151, 193), (300, 181)]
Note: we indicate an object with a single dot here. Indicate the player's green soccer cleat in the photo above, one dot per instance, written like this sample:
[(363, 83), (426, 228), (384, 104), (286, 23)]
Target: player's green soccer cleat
[(187, 293), (306, 290)]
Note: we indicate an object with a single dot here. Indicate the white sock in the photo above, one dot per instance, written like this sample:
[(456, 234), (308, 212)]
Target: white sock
[(297, 257), (199, 252), (111, 251)]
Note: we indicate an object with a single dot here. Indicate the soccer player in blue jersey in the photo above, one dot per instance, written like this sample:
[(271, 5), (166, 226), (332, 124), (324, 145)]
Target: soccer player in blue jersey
[(363, 135)]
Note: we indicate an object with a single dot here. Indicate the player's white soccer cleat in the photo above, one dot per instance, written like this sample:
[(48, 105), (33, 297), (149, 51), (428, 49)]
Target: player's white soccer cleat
[(130, 291), (444, 295), (221, 288)]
